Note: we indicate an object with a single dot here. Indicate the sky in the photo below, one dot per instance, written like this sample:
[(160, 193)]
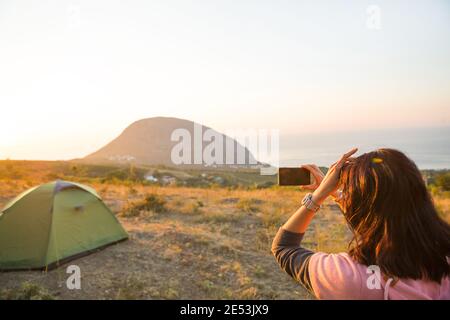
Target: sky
[(74, 74)]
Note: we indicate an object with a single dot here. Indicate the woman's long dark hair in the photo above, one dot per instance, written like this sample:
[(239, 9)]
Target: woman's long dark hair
[(391, 213)]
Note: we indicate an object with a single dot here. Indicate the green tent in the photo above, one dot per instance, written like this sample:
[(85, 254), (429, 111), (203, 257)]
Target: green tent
[(53, 223)]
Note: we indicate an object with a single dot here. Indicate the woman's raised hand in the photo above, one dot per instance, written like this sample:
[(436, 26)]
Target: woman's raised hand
[(317, 175), (330, 183)]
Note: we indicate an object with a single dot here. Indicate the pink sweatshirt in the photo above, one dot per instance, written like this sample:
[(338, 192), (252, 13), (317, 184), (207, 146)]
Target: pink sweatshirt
[(338, 276)]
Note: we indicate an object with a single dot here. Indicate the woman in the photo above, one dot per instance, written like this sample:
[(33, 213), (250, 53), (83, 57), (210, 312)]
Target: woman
[(400, 246)]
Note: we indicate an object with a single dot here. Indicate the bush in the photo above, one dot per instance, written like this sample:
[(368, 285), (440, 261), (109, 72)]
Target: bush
[(155, 203), (248, 205), (152, 202), (196, 182), (443, 181), (265, 185), (120, 175)]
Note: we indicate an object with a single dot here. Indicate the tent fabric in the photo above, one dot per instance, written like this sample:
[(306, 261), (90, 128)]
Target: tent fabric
[(17, 199), (52, 223), (63, 185)]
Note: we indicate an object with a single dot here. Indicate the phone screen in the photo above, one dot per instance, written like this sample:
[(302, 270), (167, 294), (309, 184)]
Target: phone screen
[(293, 177)]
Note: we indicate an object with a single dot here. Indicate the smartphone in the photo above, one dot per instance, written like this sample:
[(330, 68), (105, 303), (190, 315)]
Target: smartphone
[(293, 177)]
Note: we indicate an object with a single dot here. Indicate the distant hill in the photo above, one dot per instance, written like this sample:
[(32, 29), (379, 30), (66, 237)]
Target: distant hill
[(148, 142)]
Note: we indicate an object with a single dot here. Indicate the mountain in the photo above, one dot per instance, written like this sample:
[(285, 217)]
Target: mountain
[(148, 142)]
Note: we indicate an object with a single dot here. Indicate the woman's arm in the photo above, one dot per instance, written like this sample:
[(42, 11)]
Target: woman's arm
[(301, 219), (292, 257), (286, 246)]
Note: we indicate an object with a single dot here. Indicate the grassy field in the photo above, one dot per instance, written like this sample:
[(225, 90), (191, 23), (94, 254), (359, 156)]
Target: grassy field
[(185, 242)]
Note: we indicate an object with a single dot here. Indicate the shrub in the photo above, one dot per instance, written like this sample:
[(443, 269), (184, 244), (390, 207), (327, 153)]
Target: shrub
[(443, 181), (155, 203), (195, 182), (248, 205), (152, 202), (265, 185)]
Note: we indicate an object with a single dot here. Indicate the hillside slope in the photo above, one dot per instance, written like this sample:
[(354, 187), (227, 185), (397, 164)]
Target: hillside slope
[(148, 142)]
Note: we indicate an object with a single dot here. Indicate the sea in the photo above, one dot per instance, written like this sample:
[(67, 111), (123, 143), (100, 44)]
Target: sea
[(429, 148)]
